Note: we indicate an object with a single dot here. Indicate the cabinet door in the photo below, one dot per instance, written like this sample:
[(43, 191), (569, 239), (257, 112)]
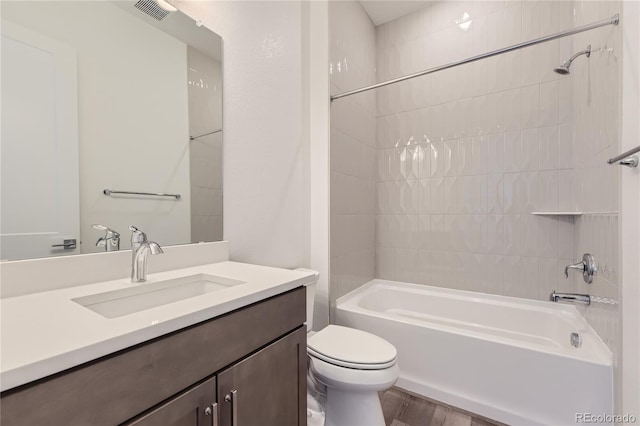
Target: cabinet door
[(269, 388), (193, 407)]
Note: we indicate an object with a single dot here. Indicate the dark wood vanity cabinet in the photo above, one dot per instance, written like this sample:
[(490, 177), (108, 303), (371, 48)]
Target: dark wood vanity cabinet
[(263, 389), (247, 367)]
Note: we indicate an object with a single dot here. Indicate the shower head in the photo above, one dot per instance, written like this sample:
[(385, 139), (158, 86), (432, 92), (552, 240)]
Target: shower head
[(564, 68)]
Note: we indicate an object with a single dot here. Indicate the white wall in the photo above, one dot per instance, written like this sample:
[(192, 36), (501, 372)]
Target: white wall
[(316, 56), (265, 160), (629, 376), (353, 134), (126, 143)]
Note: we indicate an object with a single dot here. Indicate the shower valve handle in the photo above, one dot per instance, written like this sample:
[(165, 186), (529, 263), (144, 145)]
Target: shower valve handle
[(579, 266), (588, 267)]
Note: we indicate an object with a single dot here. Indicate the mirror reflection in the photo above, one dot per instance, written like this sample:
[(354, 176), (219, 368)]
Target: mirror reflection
[(111, 116)]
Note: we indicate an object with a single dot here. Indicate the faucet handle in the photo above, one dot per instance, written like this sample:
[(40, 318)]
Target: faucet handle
[(588, 267), (111, 239), (579, 266), (109, 233), (137, 236)]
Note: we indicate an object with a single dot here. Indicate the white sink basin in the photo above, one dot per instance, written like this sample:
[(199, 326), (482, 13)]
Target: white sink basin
[(116, 303)]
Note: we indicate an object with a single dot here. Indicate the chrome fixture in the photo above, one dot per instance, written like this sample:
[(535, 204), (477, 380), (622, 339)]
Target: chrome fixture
[(111, 239), (152, 194), (630, 161), (204, 134), (564, 68), (587, 266), (140, 249), (614, 20), (576, 340), (626, 158), (69, 244), (582, 299)]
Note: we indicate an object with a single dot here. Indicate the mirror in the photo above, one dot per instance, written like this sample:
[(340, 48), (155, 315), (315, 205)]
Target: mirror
[(111, 116)]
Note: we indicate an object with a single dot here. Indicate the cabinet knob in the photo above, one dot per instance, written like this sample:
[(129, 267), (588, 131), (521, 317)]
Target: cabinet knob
[(208, 411)]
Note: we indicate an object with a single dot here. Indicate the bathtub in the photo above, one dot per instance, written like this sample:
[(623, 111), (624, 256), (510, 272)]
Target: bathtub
[(504, 358)]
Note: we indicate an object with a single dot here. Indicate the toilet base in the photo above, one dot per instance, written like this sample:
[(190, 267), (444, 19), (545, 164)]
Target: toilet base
[(353, 408)]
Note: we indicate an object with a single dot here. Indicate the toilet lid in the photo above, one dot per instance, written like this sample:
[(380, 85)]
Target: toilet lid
[(348, 347)]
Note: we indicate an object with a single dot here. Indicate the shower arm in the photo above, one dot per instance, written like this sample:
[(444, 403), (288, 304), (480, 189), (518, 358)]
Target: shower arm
[(586, 51), (614, 20)]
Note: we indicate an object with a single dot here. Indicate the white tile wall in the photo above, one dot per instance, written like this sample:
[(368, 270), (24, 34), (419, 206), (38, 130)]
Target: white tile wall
[(595, 185), (465, 159), (353, 151), (465, 155)]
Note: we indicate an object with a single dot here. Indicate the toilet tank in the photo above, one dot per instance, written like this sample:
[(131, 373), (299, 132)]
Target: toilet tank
[(311, 295)]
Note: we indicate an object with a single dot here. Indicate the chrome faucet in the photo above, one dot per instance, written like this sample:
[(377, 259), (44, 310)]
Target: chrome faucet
[(582, 299), (140, 249), (111, 239), (588, 267)]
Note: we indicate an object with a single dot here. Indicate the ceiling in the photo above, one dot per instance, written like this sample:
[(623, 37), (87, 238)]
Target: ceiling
[(385, 11)]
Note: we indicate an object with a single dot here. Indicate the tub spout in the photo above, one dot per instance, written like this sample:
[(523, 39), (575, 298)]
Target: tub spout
[(583, 299)]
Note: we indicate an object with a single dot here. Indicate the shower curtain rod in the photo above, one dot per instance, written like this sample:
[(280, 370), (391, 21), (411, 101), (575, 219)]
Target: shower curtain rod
[(614, 20)]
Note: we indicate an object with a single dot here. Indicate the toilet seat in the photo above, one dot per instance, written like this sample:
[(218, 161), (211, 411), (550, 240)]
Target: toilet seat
[(350, 348), (349, 379)]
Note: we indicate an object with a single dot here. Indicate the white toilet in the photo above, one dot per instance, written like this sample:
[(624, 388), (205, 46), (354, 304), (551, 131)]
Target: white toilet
[(354, 366)]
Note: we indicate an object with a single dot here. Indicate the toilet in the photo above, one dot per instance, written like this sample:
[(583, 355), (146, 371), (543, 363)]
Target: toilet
[(353, 366)]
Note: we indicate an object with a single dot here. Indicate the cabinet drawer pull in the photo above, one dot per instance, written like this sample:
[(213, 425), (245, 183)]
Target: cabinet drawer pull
[(233, 399)]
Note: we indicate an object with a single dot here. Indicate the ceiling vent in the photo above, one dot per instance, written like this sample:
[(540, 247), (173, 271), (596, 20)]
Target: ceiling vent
[(151, 8)]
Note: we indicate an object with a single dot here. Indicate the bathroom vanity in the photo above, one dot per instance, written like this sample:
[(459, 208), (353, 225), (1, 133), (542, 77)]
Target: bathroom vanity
[(231, 356), (252, 357)]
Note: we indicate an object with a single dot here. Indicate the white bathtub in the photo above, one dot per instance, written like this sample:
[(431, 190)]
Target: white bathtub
[(504, 358)]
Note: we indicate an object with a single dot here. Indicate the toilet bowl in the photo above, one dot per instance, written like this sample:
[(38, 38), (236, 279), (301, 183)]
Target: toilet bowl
[(354, 366)]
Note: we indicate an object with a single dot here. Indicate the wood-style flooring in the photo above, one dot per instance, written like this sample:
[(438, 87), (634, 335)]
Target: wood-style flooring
[(401, 408)]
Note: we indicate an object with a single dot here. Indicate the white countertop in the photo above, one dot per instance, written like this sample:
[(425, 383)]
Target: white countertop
[(45, 333)]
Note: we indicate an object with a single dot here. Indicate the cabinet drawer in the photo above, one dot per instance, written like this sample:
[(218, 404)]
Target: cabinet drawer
[(115, 388)]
